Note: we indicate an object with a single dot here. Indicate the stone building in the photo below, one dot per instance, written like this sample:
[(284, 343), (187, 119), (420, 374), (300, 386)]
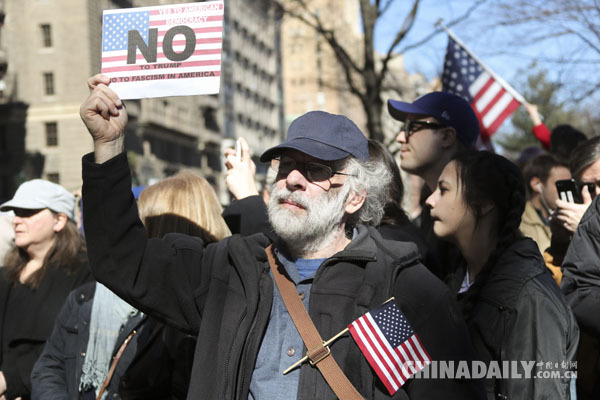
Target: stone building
[(313, 79), (48, 49)]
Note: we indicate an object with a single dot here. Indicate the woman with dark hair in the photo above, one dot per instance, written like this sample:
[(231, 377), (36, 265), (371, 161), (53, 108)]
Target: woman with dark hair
[(395, 224), (46, 263), (513, 308)]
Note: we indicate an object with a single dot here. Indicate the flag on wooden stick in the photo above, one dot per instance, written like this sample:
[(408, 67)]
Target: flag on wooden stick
[(390, 344), (492, 99)]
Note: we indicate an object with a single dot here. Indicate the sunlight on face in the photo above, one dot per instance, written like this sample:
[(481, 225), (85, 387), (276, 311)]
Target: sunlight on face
[(452, 218)]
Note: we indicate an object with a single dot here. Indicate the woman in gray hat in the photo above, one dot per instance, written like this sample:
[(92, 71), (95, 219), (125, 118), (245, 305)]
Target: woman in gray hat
[(47, 262)]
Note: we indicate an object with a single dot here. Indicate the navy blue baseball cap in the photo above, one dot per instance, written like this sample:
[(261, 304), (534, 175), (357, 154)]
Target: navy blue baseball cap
[(324, 136), (449, 109)]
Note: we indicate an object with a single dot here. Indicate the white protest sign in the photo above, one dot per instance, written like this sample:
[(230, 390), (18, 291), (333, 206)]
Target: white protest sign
[(172, 50)]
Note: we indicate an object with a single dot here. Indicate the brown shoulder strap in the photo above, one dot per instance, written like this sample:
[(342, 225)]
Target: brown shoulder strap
[(317, 353), (113, 365)]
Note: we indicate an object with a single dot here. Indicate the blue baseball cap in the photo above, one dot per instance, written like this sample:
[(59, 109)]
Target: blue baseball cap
[(449, 109), (324, 136)]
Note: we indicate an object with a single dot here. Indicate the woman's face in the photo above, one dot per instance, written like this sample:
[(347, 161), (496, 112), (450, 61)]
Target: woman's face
[(452, 218), (35, 228)]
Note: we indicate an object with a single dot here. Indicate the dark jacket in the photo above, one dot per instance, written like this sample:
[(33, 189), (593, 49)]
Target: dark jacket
[(247, 216), (143, 371), (22, 338), (407, 232), (581, 286), (581, 271), (516, 312), (224, 292)]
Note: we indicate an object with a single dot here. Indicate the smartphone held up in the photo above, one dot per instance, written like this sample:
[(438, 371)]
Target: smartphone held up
[(571, 191)]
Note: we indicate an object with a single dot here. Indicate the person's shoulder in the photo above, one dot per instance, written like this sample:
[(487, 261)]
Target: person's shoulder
[(519, 270), (397, 251)]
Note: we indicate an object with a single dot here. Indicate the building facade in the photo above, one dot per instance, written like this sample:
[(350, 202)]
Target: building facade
[(313, 79), (49, 48)]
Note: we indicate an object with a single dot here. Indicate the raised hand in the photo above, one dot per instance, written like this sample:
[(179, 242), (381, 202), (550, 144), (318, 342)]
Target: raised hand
[(569, 214), (105, 117), (240, 174)]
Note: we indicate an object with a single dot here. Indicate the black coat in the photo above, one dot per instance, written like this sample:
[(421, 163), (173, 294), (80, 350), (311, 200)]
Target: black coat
[(144, 371), (224, 293), (23, 339), (581, 271), (516, 312)]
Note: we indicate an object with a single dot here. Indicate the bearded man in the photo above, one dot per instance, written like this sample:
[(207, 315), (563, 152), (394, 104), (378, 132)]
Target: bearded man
[(326, 196)]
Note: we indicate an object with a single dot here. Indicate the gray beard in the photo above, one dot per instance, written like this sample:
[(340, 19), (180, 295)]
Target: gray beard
[(316, 228)]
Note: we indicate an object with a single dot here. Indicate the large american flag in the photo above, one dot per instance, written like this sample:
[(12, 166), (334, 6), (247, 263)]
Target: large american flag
[(390, 345), (465, 77), (206, 20)]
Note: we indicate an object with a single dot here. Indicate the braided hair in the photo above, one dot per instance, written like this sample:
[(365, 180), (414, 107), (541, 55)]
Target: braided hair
[(487, 178)]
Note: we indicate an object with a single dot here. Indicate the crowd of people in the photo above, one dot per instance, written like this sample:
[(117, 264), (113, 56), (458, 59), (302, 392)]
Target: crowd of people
[(169, 296)]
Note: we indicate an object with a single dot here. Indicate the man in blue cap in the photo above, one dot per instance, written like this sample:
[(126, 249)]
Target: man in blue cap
[(436, 126), (326, 197)]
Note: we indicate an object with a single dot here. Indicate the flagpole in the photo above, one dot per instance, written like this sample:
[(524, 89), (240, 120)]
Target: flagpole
[(497, 77), (325, 344)]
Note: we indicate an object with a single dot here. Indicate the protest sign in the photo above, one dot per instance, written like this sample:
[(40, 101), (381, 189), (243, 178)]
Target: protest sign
[(172, 50)]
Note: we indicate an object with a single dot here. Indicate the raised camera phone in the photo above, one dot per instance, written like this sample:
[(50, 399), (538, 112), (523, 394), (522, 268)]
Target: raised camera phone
[(569, 190), (238, 150)]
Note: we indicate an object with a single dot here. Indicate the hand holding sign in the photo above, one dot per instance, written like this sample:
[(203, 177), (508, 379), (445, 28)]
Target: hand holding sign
[(105, 117), (172, 50)]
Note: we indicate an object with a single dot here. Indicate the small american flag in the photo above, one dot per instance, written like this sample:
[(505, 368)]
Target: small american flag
[(205, 19), (390, 345), (465, 77)]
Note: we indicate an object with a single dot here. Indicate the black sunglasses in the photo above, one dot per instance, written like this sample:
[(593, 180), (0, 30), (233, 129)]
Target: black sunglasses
[(411, 127), (314, 172)]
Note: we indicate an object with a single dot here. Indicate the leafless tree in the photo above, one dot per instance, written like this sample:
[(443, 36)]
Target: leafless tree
[(568, 30), (365, 74)]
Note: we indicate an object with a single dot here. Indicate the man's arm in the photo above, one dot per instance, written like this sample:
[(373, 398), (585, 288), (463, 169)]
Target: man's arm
[(540, 131), (161, 277), (433, 312)]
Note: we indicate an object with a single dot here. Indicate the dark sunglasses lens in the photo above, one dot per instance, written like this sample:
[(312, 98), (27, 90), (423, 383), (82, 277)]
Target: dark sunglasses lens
[(283, 165), (25, 213), (318, 172)]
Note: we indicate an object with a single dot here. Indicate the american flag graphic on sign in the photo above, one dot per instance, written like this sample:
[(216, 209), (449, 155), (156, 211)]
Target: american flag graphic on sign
[(163, 43), (465, 77), (390, 344)]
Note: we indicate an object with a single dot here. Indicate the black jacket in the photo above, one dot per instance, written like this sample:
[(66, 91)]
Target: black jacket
[(247, 216), (517, 313), (581, 266), (144, 371), (224, 293), (22, 339)]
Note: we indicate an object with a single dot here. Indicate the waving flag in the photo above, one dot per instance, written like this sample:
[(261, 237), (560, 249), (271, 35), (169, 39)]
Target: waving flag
[(491, 98), (390, 344)]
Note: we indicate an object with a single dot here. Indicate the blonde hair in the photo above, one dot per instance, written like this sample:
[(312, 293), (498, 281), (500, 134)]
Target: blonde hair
[(183, 203)]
